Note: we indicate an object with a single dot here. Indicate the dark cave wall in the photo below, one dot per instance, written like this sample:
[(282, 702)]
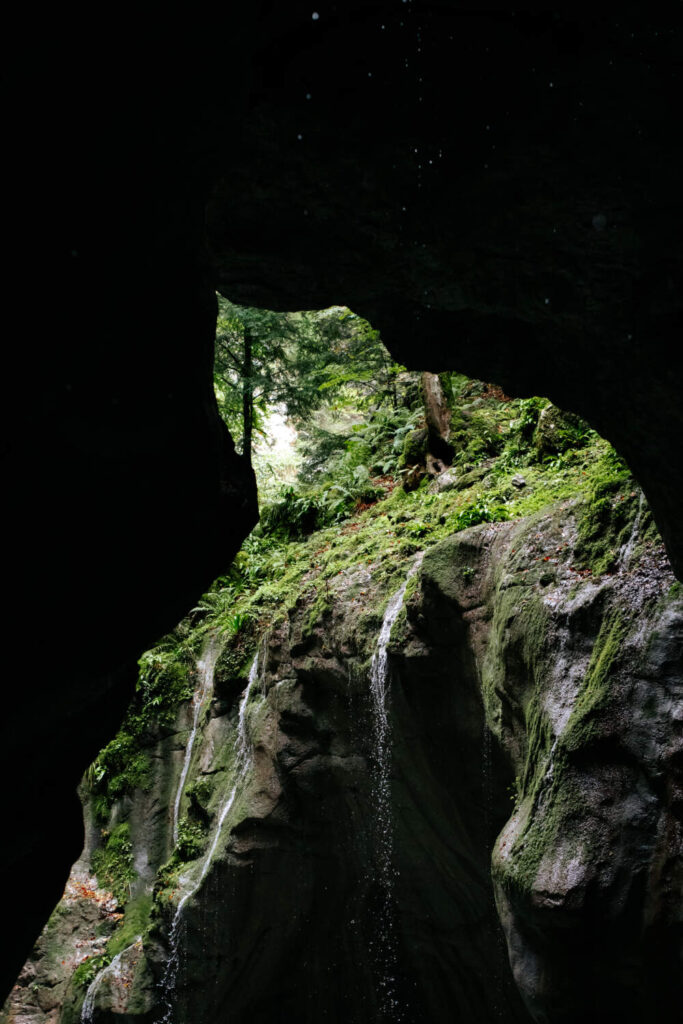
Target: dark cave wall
[(118, 473), (496, 192)]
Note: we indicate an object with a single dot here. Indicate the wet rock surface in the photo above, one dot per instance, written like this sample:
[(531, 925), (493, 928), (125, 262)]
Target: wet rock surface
[(533, 780), (526, 235), (582, 682)]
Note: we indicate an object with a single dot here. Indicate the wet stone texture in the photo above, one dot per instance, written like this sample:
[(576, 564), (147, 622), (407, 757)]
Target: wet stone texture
[(582, 683), (497, 191), (530, 778)]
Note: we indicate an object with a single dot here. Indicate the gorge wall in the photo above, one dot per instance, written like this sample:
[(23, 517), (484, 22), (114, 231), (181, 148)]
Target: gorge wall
[(538, 247), (533, 710)]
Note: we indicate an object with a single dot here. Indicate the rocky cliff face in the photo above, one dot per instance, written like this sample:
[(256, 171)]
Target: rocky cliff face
[(332, 864), (526, 234)]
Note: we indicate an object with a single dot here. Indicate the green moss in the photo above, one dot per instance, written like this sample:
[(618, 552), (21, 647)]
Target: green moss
[(113, 863), (595, 690), (124, 765), (549, 801), (414, 448), (166, 885), (520, 625), (191, 838), (319, 610), (539, 737), (199, 794), (121, 767), (161, 690), (606, 518), (558, 430), (545, 824), (135, 922)]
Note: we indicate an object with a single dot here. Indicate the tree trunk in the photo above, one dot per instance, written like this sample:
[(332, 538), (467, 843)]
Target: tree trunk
[(247, 398), (438, 420)]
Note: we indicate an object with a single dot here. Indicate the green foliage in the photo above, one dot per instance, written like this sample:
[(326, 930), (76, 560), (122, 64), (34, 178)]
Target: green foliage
[(517, 422), (295, 361), (294, 515), (166, 884), (483, 510), (199, 794), (375, 444), (86, 972), (237, 623), (346, 483), (124, 765), (479, 432), (120, 768), (113, 862), (526, 421), (160, 692), (191, 838)]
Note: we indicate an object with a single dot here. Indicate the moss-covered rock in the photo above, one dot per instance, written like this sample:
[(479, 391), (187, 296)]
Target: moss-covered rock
[(528, 673), (556, 431), (415, 448)]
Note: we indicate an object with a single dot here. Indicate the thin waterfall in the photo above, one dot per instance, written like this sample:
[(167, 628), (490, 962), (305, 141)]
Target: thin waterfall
[(168, 982), (113, 970), (626, 552), (206, 666), (385, 952)]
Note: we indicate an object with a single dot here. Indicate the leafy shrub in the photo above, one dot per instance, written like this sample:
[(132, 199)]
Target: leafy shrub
[(481, 511), (191, 838), (86, 972), (113, 862), (120, 767), (294, 515)]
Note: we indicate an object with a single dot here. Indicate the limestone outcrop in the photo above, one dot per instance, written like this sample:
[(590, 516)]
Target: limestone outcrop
[(525, 233), (531, 777)]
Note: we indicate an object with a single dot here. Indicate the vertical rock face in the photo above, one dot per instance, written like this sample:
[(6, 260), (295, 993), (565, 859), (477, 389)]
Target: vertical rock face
[(525, 234), (583, 687), (533, 711)]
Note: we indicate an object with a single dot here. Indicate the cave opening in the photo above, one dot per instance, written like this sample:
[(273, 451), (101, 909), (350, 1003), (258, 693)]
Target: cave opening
[(379, 741), (540, 249)]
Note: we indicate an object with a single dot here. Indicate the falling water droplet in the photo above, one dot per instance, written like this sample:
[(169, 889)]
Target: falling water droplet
[(385, 951)]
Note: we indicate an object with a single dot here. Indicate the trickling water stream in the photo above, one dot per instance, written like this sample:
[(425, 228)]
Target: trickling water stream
[(168, 982), (626, 552), (113, 972), (385, 947), (206, 665)]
